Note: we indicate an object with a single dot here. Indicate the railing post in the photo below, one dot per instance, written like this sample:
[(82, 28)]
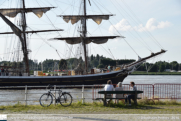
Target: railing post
[(93, 93), (55, 94), (153, 91), (82, 94), (26, 95)]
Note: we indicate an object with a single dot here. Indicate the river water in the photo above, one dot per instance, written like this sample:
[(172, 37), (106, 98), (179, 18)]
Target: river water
[(6, 96), (152, 79)]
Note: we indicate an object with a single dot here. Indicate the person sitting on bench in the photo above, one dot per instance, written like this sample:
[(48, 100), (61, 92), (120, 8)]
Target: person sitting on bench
[(119, 88), (109, 87), (132, 96)]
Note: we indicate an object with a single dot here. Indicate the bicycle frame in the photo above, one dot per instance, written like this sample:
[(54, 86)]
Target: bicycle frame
[(59, 93)]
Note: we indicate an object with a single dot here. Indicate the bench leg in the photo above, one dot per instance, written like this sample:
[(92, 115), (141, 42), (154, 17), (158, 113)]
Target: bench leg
[(104, 101), (109, 101), (135, 101)]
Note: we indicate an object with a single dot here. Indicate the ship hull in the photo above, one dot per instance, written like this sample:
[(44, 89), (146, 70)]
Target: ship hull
[(115, 77)]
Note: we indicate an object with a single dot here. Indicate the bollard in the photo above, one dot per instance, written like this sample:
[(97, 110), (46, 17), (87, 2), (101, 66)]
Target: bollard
[(26, 95), (55, 94), (82, 94)]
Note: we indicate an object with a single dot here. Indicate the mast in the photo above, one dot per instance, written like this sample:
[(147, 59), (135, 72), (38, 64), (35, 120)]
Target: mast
[(84, 27), (22, 33), (84, 39), (25, 52)]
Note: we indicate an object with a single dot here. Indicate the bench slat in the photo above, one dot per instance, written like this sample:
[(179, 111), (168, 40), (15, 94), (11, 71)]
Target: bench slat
[(113, 98), (120, 92)]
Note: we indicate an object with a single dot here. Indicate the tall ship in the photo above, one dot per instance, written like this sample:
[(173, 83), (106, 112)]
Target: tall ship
[(82, 74)]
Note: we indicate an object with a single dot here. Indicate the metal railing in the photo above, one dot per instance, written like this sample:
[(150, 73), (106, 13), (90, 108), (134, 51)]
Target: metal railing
[(25, 94), (31, 94), (151, 91), (167, 91)]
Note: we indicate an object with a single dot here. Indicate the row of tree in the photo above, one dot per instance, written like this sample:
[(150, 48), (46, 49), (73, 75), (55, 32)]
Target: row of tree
[(160, 66), (93, 61)]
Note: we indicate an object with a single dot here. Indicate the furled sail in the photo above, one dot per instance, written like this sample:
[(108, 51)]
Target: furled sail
[(14, 11), (87, 40), (75, 18)]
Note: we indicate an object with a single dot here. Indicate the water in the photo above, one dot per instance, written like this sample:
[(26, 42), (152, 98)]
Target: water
[(152, 79), (19, 95)]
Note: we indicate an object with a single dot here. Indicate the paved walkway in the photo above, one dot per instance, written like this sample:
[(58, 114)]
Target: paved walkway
[(93, 117)]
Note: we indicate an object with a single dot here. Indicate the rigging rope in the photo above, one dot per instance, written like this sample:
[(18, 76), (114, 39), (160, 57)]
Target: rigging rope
[(50, 20), (117, 30), (140, 22), (147, 46), (47, 43), (2, 2), (125, 40)]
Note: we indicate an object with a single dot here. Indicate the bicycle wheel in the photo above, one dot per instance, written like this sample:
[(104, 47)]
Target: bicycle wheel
[(65, 99), (46, 100)]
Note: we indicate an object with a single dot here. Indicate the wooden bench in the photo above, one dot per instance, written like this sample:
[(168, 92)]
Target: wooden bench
[(118, 92)]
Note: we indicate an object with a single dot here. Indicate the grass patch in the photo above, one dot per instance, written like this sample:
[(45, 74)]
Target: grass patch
[(144, 107), (146, 101)]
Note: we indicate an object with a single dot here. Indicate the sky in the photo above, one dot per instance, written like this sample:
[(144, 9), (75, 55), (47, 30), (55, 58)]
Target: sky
[(148, 26)]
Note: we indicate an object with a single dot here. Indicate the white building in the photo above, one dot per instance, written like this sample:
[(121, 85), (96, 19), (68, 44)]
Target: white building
[(173, 71), (167, 70)]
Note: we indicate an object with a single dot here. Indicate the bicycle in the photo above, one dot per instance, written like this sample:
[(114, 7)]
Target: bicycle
[(64, 98)]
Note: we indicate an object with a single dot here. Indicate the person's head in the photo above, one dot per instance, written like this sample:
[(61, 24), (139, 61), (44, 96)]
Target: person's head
[(119, 84), (109, 82), (132, 84)]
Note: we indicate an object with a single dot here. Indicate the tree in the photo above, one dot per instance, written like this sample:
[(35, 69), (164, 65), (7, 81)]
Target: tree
[(97, 57), (80, 60), (167, 66), (161, 67), (100, 66), (95, 63), (63, 64), (92, 57), (154, 68), (174, 65)]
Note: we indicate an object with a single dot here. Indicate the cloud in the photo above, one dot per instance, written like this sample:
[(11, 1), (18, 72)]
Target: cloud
[(123, 25), (152, 24)]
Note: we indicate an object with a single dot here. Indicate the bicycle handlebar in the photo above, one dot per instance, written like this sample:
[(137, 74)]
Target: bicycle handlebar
[(49, 86)]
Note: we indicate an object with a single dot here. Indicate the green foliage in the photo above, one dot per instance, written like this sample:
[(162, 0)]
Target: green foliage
[(154, 68), (108, 61), (63, 64), (144, 106), (161, 68), (97, 57), (95, 63), (92, 57), (100, 66), (146, 101)]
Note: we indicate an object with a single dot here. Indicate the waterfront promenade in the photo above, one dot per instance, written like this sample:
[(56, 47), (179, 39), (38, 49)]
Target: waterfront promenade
[(95, 117)]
